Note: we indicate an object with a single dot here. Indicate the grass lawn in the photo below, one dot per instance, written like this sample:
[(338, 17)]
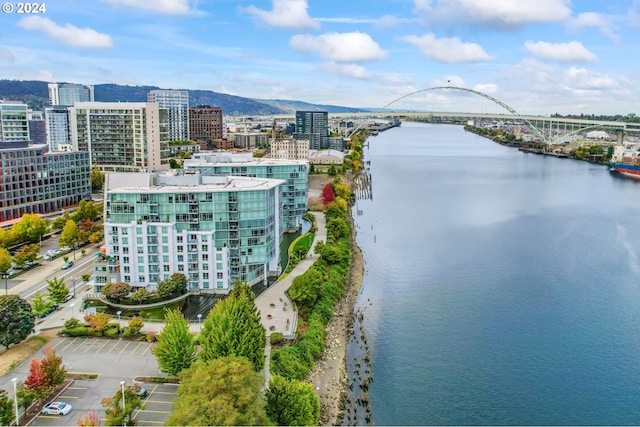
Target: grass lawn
[(18, 353)]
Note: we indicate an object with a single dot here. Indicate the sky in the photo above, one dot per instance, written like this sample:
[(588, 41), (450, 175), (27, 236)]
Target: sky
[(537, 56)]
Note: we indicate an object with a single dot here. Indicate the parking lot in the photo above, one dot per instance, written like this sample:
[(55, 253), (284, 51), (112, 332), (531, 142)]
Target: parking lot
[(113, 361)]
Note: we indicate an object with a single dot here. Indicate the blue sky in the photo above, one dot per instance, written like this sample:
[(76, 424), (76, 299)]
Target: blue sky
[(538, 56)]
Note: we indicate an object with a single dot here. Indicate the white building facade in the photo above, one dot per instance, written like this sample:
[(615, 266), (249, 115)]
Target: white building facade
[(213, 230), (176, 103)]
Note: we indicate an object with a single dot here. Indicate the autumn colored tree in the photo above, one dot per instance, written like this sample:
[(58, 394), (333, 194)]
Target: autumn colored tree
[(36, 381), (117, 291), (328, 195), (5, 260), (27, 253), (135, 325), (98, 322), (30, 228), (52, 367), (89, 419), (69, 235), (7, 238), (96, 236), (176, 350), (223, 392)]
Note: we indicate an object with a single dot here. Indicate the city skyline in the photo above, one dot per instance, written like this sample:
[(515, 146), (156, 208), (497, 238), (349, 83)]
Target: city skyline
[(539, 57)]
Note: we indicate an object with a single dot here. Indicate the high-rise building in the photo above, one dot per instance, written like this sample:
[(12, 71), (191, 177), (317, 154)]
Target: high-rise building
[(35, 181), (176, 103), (213, 230), (37, 131), (294, 172), (205, 123), (57, 128), (120, 136), (69, 93), (14, 121), (313, 126)]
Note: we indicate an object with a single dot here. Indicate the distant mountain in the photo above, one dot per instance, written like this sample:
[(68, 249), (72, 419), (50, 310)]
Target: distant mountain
[(293, 106), (35, 93)]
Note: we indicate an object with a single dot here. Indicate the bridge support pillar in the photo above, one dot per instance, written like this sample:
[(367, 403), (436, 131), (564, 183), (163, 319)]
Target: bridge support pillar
[(619, 136)]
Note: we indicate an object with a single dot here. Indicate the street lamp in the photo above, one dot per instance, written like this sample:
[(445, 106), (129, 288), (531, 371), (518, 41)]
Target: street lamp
[(15, 399), (5, 276), (122, 383), (72, 304), (200, 320), (73, 282), (119, 313)]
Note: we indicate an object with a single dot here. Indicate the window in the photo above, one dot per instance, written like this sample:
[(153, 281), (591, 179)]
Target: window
[(140, 249), (165, 258), (139, 240), (140, 260), (125, 259), (219, 266), (219, 257), (205, 247), (140, 278), (165, 239), (219, 275), (165, 268), (165, 249), (205, 257)]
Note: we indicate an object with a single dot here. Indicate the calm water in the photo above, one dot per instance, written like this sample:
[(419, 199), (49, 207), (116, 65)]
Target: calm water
[(500, 287)]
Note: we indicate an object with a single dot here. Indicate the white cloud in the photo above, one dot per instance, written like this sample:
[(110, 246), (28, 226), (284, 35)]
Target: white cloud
[(339, 47), (45, 75), (583, 79), (488, 88), (349, 70), (593, 20), (572, 51), (285, 13), (68, 34), (166, 7), (449, 50), (500, 13)]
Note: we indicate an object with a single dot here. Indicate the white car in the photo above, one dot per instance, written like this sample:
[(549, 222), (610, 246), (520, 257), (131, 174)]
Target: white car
[(56, 408)]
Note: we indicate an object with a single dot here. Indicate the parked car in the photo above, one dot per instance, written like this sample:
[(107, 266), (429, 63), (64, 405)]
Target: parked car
[(142, 392), (67, 265), (68, 297), (56, 408), (53, 308)]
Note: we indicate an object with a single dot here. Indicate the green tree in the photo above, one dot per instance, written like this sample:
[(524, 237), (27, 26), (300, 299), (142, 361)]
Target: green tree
[(86, 210), (176, 350), (5, 260), (16, 320), (292, 403), (97, 179), (30, 228), (233, 327), (135, 325), (333, 171), (117, 415), (140, 295), (59, 222), (7, 238), (7, 414), (69, 235), (57, 290), (179, 282), (223, 392), (40, 303)]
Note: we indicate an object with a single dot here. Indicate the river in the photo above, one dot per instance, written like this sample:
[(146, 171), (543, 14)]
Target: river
[(500, 288)]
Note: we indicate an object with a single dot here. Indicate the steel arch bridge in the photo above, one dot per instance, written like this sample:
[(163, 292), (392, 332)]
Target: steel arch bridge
[(548, 130)]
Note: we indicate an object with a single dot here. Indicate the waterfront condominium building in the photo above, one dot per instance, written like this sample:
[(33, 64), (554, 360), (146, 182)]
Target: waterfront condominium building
[(69, 93), (313, 126), (33, 180), (120, 136), (205, 123), (57, 129), (14, 121), (294, 172), (290, 149), (212, 229), (176, 103)]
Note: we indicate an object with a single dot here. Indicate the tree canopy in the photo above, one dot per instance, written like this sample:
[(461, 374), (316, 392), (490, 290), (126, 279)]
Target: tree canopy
[(176, 350), (58, 290), (292, 403), (30, 228), (233, 327), (222, 392), (69, 235), (16, 320), (5, 260)]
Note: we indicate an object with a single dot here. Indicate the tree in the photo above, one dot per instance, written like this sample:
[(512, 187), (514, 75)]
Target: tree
[(59, 222), (40, 303), (223, 392), (98, 322), (57, 290), (27, 253), (69, 235), (140, 295), (180, 282), (30, 228), (292, 403), (16, 320), (89, 419), (135, 325), (117, 291), (5, 260), (328, 195), (7, 415), (7, 238), (97, 179), (116, 414), (233, 327), (333, 171), (176, 284), (96, 236), (52, 367), (86, 210), (86, 277), (176, 350), (36, 382)]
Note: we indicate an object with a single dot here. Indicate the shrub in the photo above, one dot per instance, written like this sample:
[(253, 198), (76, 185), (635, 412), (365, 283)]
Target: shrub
[(71, 323), (111, 333), (276, 338), (151, 336), (127, 333)]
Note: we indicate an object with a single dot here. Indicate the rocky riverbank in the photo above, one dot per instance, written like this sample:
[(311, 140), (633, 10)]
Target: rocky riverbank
[(329, 375)]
